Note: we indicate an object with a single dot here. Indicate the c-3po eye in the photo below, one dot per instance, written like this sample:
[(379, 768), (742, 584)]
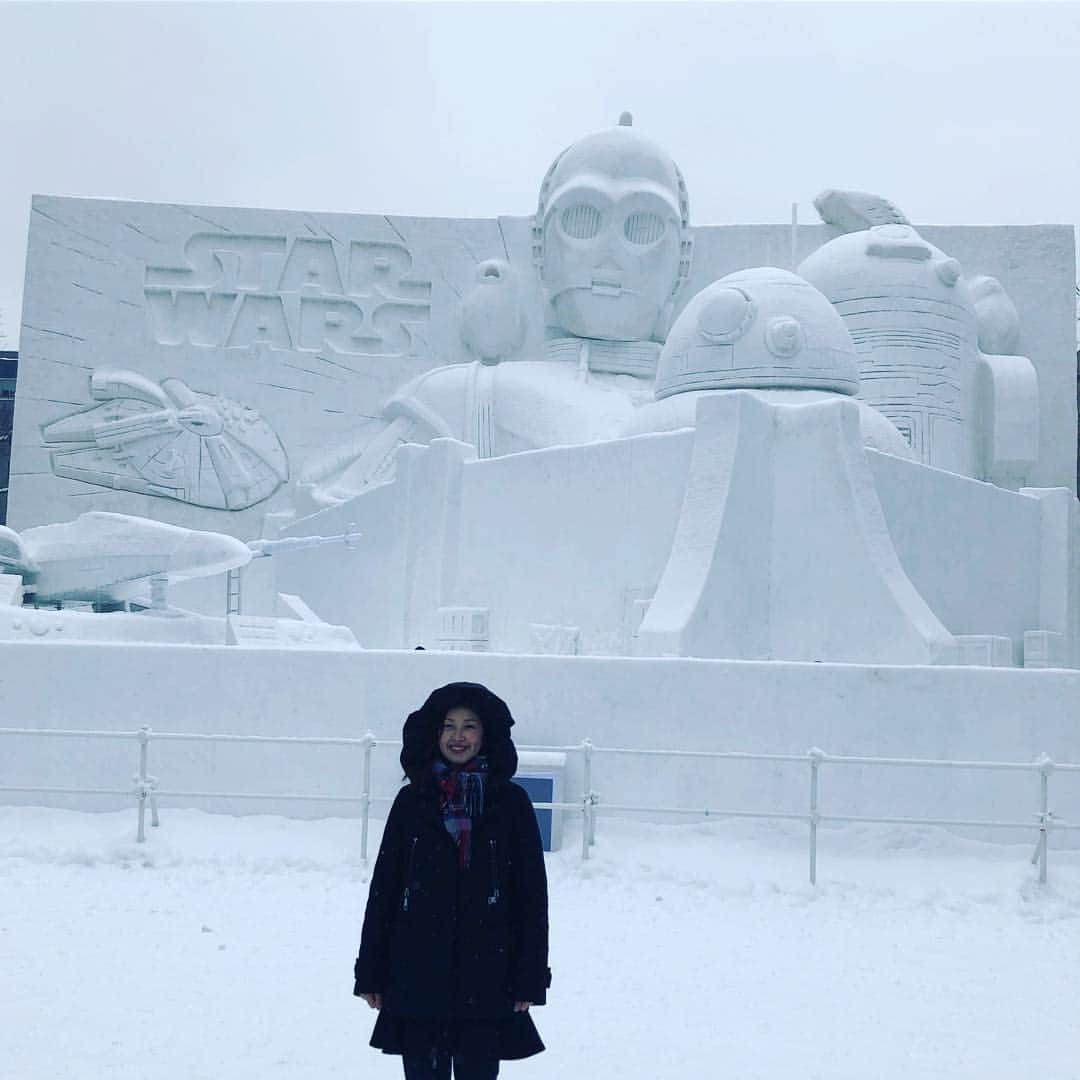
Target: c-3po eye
[(581, 221), (643, 228)]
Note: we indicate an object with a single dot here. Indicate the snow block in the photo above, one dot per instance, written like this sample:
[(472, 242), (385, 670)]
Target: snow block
[(781, 550)]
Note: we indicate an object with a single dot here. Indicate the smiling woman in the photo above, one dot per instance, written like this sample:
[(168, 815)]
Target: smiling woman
[(461, 736), (454, 945)]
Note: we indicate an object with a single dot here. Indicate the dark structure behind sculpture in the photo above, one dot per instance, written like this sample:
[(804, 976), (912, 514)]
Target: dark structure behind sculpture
[(9, 365)]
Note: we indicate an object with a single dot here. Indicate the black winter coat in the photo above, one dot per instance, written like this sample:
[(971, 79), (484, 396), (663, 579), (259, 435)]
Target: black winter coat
[(452, 949)]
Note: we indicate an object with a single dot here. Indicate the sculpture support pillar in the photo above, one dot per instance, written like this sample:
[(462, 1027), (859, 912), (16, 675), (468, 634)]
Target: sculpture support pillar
[(1007, 411), (430, 479), (782, 551), (1056, 641)]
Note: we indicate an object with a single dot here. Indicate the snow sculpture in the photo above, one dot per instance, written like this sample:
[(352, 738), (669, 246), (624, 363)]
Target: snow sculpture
[(739, 514), (758, 530), (917, 322), (996, 316), (492, 314), (101, 557), (781, 548), (14, 558), (851, 211), (758, 328), (611, 243), (105, 577), (703, 491), (764, 329), (611, 236), (169, 441)]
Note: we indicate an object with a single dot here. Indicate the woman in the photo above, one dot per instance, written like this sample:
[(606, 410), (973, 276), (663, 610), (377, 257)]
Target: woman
[(454, 946)]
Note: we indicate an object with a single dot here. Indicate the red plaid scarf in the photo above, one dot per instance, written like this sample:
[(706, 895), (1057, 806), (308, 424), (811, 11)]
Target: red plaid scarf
[(461, 798)]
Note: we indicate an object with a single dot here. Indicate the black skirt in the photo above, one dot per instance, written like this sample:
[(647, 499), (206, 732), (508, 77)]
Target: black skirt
[(508, 1039)]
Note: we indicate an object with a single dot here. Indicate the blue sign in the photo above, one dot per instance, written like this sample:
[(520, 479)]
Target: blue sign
[(540, 789)]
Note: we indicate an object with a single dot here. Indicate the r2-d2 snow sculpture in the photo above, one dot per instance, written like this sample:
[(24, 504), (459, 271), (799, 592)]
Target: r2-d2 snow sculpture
[(756, 329), (781, 549), (767, 330), (913, 325), (916, 323)]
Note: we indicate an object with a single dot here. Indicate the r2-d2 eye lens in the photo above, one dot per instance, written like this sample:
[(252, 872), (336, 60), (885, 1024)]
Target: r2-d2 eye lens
[(582, 222), (643, 228), (784, 336), (726, 315)]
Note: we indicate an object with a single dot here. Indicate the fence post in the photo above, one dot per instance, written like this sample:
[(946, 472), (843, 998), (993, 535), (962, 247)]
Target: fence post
[(587, 747), (151, 784), (142, 786), (1046, 766), (816, 757), (586, 823), (365, 796)]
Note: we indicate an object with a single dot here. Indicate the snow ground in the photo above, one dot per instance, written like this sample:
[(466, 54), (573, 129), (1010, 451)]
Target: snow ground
[(222, 950)]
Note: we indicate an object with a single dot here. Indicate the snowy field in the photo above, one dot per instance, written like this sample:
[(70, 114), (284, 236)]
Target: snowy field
[(222, 949)]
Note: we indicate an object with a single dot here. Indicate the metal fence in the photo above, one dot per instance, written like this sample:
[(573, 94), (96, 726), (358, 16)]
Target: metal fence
[(146, 789)]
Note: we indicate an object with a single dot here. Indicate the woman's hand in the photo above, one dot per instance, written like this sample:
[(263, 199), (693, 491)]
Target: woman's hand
[(522, 1006), (374, 1000)]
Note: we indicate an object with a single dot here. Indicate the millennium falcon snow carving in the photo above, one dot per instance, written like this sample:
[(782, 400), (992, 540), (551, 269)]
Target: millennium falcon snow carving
[(169, 441)]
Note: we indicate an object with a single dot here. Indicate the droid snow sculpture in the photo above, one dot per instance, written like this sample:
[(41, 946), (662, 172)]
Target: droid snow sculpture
[(611, 240), (916, 323), (493, 313), (755, 508), (611, 246), (767, 330), (756, 329), (781, 548)]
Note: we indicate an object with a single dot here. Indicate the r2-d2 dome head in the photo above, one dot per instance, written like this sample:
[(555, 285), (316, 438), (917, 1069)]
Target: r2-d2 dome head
[(611, 236), (758, 329), (913, 320)]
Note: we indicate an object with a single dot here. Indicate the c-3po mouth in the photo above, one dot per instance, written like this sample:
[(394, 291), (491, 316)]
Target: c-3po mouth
[(606, 286)]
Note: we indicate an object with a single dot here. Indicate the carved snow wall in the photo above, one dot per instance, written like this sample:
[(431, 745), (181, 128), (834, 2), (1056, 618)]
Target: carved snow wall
[(776, 708), (628, 548), (263, 339)]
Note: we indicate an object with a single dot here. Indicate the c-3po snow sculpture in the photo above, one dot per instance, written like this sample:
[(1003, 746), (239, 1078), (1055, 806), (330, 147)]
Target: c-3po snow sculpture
[(611, 246)]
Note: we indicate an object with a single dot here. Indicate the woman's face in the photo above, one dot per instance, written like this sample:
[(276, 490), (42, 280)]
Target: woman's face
[(461, 735)]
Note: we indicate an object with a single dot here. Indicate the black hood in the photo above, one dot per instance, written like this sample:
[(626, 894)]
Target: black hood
[(420, 735)]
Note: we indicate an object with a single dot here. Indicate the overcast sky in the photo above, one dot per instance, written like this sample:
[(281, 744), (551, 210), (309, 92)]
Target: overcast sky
[(961, 113)]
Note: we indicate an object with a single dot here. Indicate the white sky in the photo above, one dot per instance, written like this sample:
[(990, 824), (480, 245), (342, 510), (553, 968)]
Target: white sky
[(959, 112)]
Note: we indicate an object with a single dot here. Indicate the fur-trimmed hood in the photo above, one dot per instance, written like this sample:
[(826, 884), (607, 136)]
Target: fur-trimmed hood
[(420, 735)]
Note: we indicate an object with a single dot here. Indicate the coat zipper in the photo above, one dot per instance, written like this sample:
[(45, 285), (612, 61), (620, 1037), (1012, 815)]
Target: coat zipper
[(408, 875), (494, 897)]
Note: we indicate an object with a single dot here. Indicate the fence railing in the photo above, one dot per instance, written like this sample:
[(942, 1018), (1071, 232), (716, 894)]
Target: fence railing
[(146, 789)]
